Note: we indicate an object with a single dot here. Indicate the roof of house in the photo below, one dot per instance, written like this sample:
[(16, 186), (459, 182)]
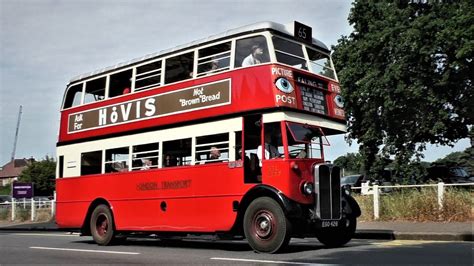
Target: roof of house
[(14, 168)]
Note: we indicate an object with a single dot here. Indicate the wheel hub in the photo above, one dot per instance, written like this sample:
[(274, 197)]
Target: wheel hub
[(263, 224), (102, 225)]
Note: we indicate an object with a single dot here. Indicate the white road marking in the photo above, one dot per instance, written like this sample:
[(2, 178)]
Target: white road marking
[(87, 250), (39, 234), (265, 261)]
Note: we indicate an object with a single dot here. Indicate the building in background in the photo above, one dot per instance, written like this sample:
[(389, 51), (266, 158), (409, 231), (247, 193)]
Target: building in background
[(10, 171)]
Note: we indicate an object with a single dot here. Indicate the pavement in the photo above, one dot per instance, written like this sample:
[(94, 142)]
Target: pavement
[(442, 231), (393, 230)]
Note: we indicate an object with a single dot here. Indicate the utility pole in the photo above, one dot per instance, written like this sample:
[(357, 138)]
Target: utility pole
[(16, 133)]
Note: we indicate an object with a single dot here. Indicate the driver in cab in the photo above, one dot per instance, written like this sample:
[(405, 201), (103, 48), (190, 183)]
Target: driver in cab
[(270, 150)]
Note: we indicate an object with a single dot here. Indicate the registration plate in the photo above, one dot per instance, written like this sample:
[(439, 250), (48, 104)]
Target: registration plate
[(330, 224)]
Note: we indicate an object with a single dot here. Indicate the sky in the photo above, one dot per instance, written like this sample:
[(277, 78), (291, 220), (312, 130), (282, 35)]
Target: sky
[(44, 43)]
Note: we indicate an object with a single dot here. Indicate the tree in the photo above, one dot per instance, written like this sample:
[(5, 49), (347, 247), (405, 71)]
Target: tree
[(406, 75), (42, 174), (351, 163), (463, 159)]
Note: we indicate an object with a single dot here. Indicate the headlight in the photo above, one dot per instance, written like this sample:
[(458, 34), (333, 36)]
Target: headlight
[(307, 188)]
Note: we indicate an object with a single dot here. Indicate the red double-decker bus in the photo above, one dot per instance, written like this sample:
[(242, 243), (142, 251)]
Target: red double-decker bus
[(224, 136)]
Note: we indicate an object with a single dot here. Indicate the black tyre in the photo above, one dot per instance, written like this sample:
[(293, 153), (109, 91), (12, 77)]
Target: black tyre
[(336, 237), (102, 225), (266, 227)]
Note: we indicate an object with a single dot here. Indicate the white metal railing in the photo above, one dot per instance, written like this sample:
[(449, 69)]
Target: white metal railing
[(31, 205), (376, 190)]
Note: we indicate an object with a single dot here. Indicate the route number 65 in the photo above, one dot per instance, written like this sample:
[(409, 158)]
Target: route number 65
[(302, 33)]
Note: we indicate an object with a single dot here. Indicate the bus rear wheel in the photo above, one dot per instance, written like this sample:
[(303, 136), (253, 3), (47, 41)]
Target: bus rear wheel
[(266, 227), (102, 225)]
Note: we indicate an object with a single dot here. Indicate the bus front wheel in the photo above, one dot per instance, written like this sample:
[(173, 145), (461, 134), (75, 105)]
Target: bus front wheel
[(102, 225), (265, 226)]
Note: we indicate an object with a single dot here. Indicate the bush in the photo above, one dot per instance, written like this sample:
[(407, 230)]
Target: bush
[(5, 190), (420, 205), (43, 215), (22, 214)]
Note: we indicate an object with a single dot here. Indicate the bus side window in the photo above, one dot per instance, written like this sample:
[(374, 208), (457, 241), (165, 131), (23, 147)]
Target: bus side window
[(91, 163), (148, 76), (116, 160), (120, 83), (179, 68), (95, 90), (61, 166), (177, 152), (212, 148), (73, 96), (145, 156), (214, 59), (246, 51)]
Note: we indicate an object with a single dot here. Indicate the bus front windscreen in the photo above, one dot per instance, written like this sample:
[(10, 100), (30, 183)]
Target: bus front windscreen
[(305, 141)]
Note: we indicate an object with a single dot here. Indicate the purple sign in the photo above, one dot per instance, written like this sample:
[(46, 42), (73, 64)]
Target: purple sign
[(22, 190)]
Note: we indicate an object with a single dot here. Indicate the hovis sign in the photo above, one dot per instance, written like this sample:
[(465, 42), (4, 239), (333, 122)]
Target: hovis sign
[(174, 102)]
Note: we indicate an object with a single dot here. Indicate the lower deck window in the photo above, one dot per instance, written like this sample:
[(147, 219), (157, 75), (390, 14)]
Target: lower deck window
[(177, 152), (212, 148), (91, 163), (145, 156), (116, 160)]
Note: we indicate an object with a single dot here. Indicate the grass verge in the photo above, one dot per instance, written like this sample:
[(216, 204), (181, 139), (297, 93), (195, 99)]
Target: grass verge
[(420, 205)]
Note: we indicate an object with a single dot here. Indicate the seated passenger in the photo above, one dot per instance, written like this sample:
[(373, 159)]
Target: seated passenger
[(169, 160), (146, 164), (214, 155), (255, 57)]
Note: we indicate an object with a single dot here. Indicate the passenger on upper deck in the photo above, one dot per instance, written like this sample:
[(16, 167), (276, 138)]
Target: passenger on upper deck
[(214, 64), (255, 57)]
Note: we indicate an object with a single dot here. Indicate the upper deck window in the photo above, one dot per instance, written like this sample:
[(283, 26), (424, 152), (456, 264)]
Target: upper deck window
[(179, 68), (251, 51), (148, 76), (320, 64), (120, 83), (73, 96), (95, 90), (289, 53), (214, 59)]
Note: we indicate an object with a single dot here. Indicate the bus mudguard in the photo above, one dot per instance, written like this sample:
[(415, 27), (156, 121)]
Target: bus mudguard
[(290, 207), (351, 206)]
